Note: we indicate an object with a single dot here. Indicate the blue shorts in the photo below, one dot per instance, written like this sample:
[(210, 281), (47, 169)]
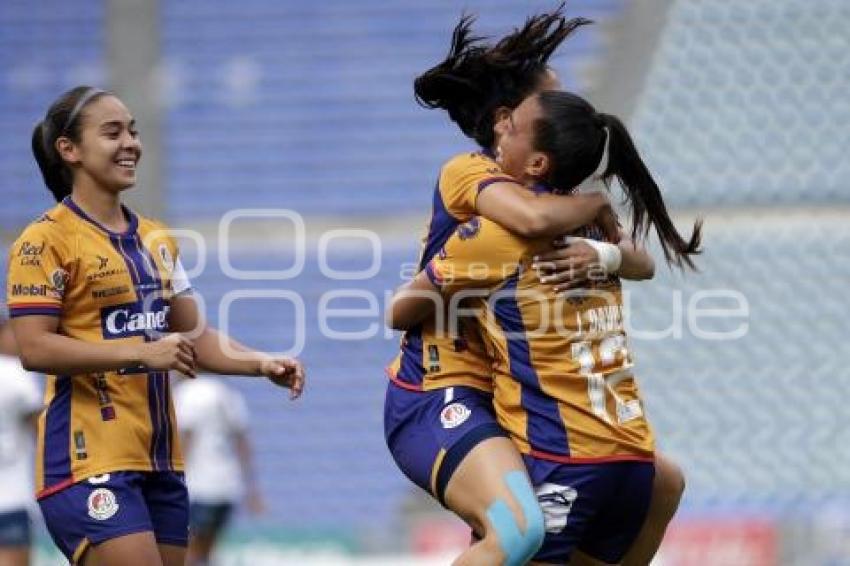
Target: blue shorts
[(207, 519), (598, 509), (430, 432), (15, 528), (104, 507)]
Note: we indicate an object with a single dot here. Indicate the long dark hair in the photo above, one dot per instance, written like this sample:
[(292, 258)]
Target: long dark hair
[(575, 135), (476, 79), (62, 120)]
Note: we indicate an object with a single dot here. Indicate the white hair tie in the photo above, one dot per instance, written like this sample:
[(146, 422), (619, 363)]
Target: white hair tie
[(593, 182)]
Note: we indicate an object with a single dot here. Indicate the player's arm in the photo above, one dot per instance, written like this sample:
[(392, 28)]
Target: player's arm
[(35, 317), (637, 264), (532, 215), (216, 352), (413, 302), (471, 184), (44, 350), (572, 265), (480, 259)]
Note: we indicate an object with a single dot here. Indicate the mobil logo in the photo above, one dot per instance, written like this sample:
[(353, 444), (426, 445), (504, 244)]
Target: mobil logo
[(135, 319)]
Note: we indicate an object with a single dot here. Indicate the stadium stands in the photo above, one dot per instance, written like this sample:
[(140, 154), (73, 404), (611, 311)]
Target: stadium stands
[(45, 47), (746, 103), (310, 106)]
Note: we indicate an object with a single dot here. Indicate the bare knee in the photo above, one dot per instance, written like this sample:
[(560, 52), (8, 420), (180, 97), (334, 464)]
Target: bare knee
[(491, 491), (519, 535)]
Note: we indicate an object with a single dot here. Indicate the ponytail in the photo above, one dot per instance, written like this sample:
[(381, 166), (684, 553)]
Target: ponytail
[(644, 196), (587, 146), (476, 79), (62, 120), (452, 85), (54, 172)]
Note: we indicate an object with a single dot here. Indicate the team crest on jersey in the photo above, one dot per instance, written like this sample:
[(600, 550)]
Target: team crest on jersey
[(469, 230), (102, 504), (59, 278), (454, 415), (167, 260)]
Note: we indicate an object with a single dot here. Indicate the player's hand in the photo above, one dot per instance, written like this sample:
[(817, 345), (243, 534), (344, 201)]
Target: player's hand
[(285, 372), (568, 267), (255, 503), (173, 351)]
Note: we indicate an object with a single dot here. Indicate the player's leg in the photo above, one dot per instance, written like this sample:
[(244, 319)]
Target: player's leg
[(172, 555), (14, 555), (578, 558), (667, 490), (491, 491), (136, 549), (570, 496), (103, 520), (432, 437), (206, 523), (200, 549), (201, 535), (614, 529), (581, 559), (167, 501), (15, 538)]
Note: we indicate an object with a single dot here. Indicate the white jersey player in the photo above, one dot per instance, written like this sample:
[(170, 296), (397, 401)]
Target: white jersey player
[(20, 404), (213, 423)]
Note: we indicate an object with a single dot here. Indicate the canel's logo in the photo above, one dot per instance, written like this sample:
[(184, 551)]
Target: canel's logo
[(133, 319)]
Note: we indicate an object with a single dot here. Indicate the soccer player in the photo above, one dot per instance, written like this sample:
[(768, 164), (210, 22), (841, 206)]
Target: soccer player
[(213, 423), (20, 403), (100, 301), (564, 387), (439, 423)]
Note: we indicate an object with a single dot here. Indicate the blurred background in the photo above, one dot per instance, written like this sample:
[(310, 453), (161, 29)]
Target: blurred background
[(741, 109)]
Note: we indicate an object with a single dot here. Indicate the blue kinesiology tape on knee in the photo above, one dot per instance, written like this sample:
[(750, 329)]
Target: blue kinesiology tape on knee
[(535, 528), (518, 547)]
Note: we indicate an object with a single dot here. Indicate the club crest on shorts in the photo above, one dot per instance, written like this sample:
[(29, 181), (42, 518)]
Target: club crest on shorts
[(454, 415), (102, 504)]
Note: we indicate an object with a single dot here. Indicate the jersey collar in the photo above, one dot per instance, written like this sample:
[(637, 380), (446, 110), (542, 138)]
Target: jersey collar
[(131, 218)]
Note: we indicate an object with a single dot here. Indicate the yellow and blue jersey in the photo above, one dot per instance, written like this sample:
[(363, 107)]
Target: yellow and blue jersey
[(108, 288), (431, 358), (564, 387)]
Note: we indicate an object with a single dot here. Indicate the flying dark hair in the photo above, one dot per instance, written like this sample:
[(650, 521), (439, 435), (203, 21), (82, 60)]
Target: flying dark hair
[(574, 135), (62, 120), (476, 79)]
